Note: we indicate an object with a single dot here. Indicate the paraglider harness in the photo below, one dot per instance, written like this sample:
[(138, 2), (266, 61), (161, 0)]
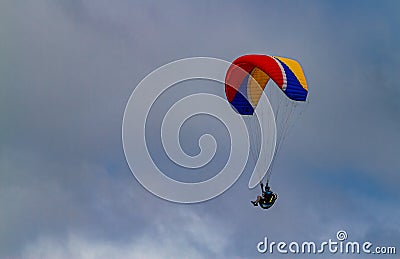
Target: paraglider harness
[(268, 197)]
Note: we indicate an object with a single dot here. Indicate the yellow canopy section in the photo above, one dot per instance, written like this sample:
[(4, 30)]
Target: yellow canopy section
[(297, 70), (256, 85)]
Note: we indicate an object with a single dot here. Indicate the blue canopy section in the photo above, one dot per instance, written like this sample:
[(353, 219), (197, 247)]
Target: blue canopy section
[(294, 90), (240, 102)]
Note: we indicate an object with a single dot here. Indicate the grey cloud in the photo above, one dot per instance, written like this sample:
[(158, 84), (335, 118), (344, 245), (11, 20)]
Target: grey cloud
[(68, 68)]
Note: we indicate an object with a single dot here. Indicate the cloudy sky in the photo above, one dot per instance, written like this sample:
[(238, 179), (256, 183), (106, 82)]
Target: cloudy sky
[(67, 69)]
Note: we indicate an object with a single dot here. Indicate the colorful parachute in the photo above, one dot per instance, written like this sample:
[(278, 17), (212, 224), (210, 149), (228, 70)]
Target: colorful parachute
[(245, 82), (243, 93)]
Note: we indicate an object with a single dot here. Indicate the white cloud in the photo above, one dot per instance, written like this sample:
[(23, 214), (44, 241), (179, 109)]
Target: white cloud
[(183, 234)]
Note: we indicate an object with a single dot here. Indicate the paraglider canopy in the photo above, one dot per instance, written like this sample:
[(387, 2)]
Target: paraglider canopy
[(248, 75)]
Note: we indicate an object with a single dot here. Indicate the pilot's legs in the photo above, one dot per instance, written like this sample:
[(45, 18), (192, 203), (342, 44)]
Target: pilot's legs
[(255, 203)]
